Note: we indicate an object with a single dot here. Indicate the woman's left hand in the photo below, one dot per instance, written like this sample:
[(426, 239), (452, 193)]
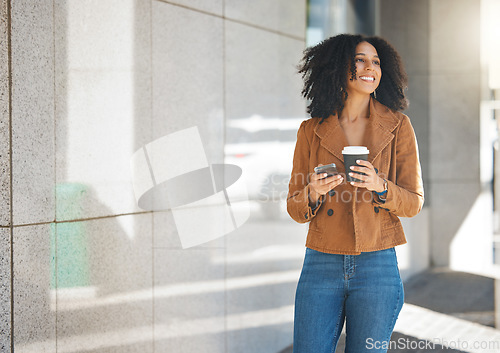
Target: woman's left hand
[(371, 180)]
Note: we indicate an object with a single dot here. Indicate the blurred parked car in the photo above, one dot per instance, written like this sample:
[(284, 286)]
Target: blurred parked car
[(263, 148)]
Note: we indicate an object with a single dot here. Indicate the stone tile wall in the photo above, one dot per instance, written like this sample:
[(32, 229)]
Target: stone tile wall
[(89, 84)]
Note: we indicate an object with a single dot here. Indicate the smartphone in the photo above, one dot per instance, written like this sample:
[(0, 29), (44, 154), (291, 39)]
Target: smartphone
[(330, 169)]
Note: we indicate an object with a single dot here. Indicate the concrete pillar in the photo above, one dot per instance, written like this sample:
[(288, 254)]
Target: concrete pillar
[(497, 303), (405, 24), (439, 43), (454, 129)]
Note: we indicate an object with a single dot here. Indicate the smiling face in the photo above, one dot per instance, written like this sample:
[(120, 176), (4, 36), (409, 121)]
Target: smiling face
[(368, 71)]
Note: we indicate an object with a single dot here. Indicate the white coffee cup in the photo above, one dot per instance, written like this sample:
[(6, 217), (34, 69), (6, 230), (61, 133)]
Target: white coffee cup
[(351, 155)]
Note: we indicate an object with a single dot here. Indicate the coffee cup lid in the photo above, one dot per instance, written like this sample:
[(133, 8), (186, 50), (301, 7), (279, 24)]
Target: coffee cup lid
[(355, 150)]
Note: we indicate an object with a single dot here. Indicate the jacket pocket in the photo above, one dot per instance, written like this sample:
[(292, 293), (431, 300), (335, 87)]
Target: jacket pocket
[(389, 221)]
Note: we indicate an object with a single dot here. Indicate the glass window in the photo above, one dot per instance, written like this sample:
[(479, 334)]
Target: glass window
[(330, 17)]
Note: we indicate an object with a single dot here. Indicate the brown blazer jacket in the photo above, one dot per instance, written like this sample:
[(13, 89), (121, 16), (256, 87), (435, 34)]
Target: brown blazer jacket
[(355, 220)]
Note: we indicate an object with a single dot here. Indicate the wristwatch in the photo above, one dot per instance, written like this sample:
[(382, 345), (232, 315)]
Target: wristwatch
[(385, 189)]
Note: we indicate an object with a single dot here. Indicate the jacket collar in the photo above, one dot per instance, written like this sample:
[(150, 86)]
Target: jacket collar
[(378, 135)]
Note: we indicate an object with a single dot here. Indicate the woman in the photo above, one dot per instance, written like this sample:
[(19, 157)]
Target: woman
[(355, 87)]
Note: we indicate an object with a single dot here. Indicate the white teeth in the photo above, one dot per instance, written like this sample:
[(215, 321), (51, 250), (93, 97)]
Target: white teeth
[(366, 78)]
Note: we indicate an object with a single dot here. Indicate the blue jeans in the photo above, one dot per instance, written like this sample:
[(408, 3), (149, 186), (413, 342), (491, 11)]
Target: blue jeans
[(365, 290)]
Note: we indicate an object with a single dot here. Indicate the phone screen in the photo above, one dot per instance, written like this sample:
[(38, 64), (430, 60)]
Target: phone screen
[(330, 169)]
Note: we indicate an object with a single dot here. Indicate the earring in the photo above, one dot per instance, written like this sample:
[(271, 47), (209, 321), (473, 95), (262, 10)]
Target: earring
[(375, 94)]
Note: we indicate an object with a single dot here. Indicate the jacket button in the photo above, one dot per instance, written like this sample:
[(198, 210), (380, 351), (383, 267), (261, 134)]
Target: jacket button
[(330, 212), (376, 170), (376, 209), (331, 192)]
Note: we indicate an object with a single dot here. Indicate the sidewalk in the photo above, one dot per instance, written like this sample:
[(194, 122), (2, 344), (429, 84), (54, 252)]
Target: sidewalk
[(444, 311)]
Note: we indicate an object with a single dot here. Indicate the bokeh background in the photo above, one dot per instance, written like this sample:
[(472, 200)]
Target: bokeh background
[(85, 84)]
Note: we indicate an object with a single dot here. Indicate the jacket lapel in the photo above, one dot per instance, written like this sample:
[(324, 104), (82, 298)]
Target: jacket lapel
[(377, 136), (332, 136), (381, 124)]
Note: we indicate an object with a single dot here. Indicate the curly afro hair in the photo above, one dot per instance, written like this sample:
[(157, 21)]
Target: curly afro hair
[(325, 69)]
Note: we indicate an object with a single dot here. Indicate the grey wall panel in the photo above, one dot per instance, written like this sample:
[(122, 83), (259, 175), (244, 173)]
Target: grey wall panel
[(213, 6), (5, 291), (275, 15), (189, 300), (33, 112), (105, 284), (4, 117), (188, 75), (103, 104), (261, 75), (34, 299)]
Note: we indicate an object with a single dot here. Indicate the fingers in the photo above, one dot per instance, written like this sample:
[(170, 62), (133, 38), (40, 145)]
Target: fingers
[(368, 175), (315, 176), (370, 180), (322, 184), (363, 178), (358, 184), (364, 166), (366, 178), (332, 182), (364, 163), (334, 179), (360, 169), (320, 179), (365, 173)]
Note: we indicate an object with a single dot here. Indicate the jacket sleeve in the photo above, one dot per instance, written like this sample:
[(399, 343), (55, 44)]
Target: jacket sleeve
[(405, 195), (298, 188)]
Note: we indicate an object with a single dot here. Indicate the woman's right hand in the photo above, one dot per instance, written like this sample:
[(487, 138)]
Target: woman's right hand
[(320, 185)]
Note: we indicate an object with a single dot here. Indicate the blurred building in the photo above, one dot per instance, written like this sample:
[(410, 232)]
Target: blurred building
[(85, 84)]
